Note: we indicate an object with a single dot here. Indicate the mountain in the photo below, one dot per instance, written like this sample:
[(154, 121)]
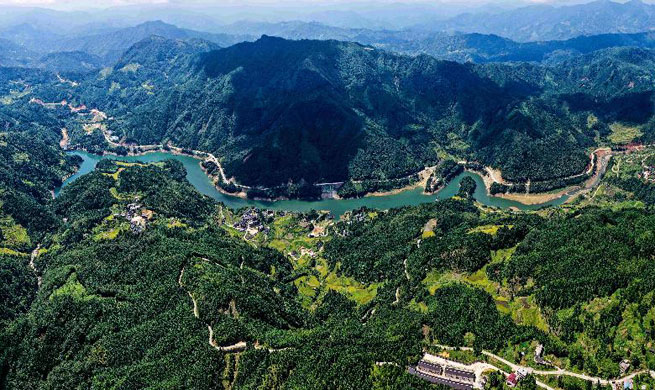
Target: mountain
[(280, 111), (106, 43), (110, 43), (482, 48), (310, 111), (460, 47), (32, 38), (12, 54), (544, 22), (70, 62), (109, 46)]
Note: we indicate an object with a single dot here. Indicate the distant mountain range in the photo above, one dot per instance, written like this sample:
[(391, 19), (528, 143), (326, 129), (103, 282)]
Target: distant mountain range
[(460, 47), (25, 43), (535, 33), (107, 45), (12, 54), (526, 24), (544, 22)]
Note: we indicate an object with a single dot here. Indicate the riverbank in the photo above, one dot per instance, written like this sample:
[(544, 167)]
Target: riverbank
[(487, 177), (423, 175), (599, 159), (205, 185)]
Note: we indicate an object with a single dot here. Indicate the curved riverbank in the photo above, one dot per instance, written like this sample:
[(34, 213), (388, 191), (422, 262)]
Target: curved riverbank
[(197, 177), (489, 176)]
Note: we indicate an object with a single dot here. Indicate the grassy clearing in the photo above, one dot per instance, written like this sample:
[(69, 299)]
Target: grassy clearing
[(291, 238), (130, 68), (623, 134), (21, 158), (73, 288), (115, 174), (351, 288), (11, 252), (502, 255), (428, 229), (15, 236), (175, 223), (492, 230), (523, 310), (111, 234), (420, 307)]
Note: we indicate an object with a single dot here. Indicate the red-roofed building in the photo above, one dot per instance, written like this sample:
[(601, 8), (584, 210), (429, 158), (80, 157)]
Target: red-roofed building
[(512, 380)]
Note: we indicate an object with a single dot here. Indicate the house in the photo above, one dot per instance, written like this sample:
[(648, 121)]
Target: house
[(627, 384), (430, 368), (538, 352), (514, 378), (137, 224), (539, 355), (521, 373), (440, 380), (624, 366), (459, 374)]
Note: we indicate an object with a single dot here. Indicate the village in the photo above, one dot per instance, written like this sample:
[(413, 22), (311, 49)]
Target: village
[(441, 369)]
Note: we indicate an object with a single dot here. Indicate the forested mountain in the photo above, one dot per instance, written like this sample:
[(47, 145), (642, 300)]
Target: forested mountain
[(70, 62), (38, 40), (280, 111), (31, 162), (482, 48), (315, 111), (12, 54)]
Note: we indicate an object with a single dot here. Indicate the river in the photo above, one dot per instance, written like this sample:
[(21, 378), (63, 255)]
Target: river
[(337, 207)]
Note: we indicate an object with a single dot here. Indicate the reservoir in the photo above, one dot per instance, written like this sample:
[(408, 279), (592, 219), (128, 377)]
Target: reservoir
[(197, 177)]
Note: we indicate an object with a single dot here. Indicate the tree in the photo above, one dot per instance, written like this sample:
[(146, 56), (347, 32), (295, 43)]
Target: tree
[(466, 187)]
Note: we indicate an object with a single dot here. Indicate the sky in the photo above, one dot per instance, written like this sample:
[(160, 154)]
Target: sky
[(86, 4)]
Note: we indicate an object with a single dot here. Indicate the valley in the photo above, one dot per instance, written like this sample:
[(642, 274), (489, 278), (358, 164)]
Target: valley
[(328, 196)]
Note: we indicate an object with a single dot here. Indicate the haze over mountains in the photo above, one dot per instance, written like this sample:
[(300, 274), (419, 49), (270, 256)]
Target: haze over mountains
[(482, 36)]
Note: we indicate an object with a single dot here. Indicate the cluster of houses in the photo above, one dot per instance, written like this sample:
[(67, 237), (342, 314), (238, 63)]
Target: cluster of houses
[(627, 384), (138, 217), (251, 222), (303, 251), (448, 373), (648, 173)]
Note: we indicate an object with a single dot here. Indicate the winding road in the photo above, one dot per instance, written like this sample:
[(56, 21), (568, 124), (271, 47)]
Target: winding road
[(236, 347), (239, 346), (33, 256)]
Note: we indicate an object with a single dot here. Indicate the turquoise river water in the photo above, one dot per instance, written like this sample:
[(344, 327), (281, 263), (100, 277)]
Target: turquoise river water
[(203, 184)]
